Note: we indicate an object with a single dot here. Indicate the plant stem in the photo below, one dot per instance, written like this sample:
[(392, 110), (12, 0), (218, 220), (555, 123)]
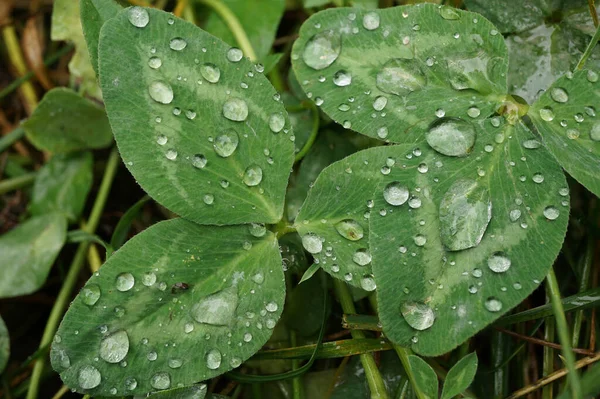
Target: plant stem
[(592, 8), (313, 134), (586, 272), (376, 385), (589, 49), (234, 26), (17, 182), (10, 138), (403, 354), (297, 391), (64, 295), (563, 334), (548, 359)]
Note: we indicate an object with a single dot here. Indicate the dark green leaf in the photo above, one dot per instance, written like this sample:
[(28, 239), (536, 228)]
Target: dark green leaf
[(94, 13), (62, 185), (193, 392), (270, 61), (28, 251), (173, 290), (566, 118), (424, 376), (65, 122), (4, 345), (460, 376), (122, 229), (215, 153), (304, 308), (391, 73)]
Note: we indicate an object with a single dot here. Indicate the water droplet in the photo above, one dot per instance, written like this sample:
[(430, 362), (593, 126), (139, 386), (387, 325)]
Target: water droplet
[(217, 309), (547, 114), (551, 213), (350, 229), (138, 17), (234, 54), (418, 315), (322, 49), (312, 243), (414, 202), (382, 132), (235, 362), (420, 240), (257, 229), (531, 144), (199, 161), (161, 139), (210, 72), (90, 294), (130, 384), (371, 21), (276, 122), (152, 356), (270, 323), (559, 95), (514, 215), (208, 199), (342, 78), (493, 304), (451, 136), (213, 359), (154, 62), (380, 103), (473, 112), (114, 347), (395, 193), (89, 377), (362, 257), (253, 175), (226, 143), (171, 154), (161, 92), (235, 109), (258, 278), (595, 132), (160, 380), (449, 13), (175, 363), (592, 76), (367, 283), (401, 76), (177, 44), (125, 282), (440, 113), (498, 262), (538, 178), (465, 213)]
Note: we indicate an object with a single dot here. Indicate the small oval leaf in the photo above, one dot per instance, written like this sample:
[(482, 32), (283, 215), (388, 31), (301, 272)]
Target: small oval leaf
[(424, 377), (460, 376)]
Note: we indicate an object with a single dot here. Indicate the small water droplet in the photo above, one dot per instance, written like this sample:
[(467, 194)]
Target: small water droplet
[(371, 21), (234, 54), (514, 215), (380, 103), (160, 380), (547, 114), (171, 154), (161, 92), (125, 282), (276, 122), (312, 243), (449, 12), (595, 132), (130, 384), (420, 240), (90, 294), (362, 257), (257, 229), (210, 72), (342, 78), (559, 95), (177, 44), (395, 193), (253, 175), (89, 377), (208, 199), (199, 161), (175, 363), (350, 229), (367, 283), (235, 109), (592, 76), (154, 62), (493, 304), (551, 213), (213, 359), (235, 362), (138, 17), (531, 144), (473, 112), (538, 178), (226, 143), (498, 262), (418, 315)]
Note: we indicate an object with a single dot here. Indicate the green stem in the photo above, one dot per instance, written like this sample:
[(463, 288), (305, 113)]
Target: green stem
[(313, 134), (403, 354), (586, 272), (234, 26), (11, 138), (548, 353), (48, 61), (64, 295), (589, 49), (16, 182), (563, 334), (297, 391), (376, 385)]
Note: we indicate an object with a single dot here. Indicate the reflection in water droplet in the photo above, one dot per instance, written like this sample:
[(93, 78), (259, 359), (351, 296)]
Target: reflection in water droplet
[(199, 161), (367, 283), (210, 72), (362, 257), (114, 347), (217, 309), (499, 262), (235, 109), (418, 315), (226, 143), (90, 294), (253, 175), (257, 229), (131, 384), (138, 17), (451, 136), (171, 154), (161, 92), (401, 76), (213, 359), (312, 243), (395, 193), (350, 229), (154, 62), (208, 199), (493, 304), (559, 95), (160, 380), (177, 44), (125, 282), (547, 114), (380, 103), (234, 54), (322, 49), (551, 213), (89, 377), (342, 78), (420, 240), (371, 21), (276, 122)]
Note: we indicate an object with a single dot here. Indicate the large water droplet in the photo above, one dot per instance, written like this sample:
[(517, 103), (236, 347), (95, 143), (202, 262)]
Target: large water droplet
[(559, 95), (546, 114), (350, 229), (210, 72), (161, 92), (454, 137), (90, 294), (177, 44), (276, 122), (217, 309), (465, 212), (595, 132), (234, 54), (498, 262), (362, 257), (371, 20), (89, 377), (125, 282), (367, 283), (154, 62), (160, 380), (235, 109), (213, 359), (493, 304), (418, 315), (342, 78), (257, 229), (551, 213), (395, 193), (401, 76), (312, 243), (114, 347), (226, 143), (380, 103), (199, 161), (322, 49), (130, 384), (138, 17), (253, 175)]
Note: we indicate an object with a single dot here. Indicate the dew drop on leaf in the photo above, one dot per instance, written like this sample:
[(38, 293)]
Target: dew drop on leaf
[(547, 114), (592, 76), (551, 213), (114, 347), (395, 193), (595, 132), (380, 103), (175, 363), (420, 240), (367, 283), (154, 62), (312, 243), (531, 144), (451, 136), (125, 282), (235, 362), (199, 161), (493, 304), (371, 21), (90, 294), (160, 380), (350, 229), (559, 95), (253, 175), (210, 72), (418, 315), (498, 262), (213, 359), (89, 377), (217, 309), (257, 229), (362, 257), (400, 76), (449, 13), (138, 17), (226, 143), (161, 92), (171, 154), (177, 44), (235, 109), (234, 54), (322, 50), (276, 122), (208, 199), (342, 78)]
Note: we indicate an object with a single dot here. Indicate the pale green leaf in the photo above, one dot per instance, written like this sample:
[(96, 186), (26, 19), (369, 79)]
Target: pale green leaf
[(62, 185), (94, 13), (259, 19), (390, 73), (433, 297), (28, 251), (460, 376), (4, 345), (425, 377), (566, 118), (64, 121), (66, 25), (177, 304), (205, 136)]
